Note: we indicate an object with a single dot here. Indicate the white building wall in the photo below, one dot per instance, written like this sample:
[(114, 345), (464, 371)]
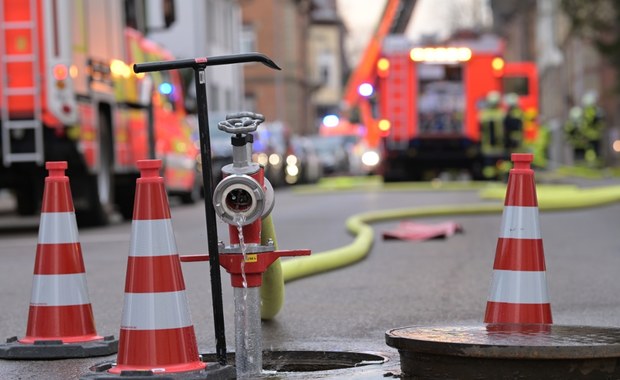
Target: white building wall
[(208, 28)]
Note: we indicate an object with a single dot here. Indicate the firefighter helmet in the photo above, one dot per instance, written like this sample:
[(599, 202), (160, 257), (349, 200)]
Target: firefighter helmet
[(511, 99), (575, 113), (493, 98), (589, 98)]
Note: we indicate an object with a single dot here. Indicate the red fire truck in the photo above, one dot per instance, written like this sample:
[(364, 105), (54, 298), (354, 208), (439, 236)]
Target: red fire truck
[(427, 101), (68, 93)]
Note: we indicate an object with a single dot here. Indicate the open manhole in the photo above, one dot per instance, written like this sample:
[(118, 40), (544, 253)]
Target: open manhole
[(308, 361)]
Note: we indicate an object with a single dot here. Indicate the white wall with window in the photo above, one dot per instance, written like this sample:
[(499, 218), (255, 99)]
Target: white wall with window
[(208, 28), (248, 38), (325, 58)]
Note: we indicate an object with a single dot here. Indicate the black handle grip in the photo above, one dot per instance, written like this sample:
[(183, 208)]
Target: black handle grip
[(195, 63), (164, 65)]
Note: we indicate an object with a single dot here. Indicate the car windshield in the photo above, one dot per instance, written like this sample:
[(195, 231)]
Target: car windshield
[(331, 143)]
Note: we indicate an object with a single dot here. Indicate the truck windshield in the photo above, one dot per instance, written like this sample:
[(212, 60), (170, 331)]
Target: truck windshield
[(517, 85), (441, 99)]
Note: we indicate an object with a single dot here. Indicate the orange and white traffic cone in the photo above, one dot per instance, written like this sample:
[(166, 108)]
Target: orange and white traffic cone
[(518, 291), (60, 318), (157, 334)]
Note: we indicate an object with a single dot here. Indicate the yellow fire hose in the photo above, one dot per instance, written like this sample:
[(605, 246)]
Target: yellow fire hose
[(272, 289), (550, 198)]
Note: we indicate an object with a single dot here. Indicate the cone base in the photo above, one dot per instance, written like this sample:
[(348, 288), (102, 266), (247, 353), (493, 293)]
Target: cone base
[(213, 371), (55, 349), (187, 367), (65, 339), (503, 312)]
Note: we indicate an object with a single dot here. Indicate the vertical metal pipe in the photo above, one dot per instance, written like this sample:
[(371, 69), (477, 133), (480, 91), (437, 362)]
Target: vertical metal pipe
[(151, 128), (207, 178)]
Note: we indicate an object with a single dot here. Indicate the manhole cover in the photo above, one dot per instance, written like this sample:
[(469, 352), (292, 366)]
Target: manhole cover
[(508, 351), (309, 361)]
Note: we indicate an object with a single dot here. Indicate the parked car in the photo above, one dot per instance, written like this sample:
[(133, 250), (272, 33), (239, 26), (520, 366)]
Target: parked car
[(334, 152), (346, 155), (363, 159), (307, 161), (271, 147)]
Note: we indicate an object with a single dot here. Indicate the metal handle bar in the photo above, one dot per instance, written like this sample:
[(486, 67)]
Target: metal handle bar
[(201, 62)]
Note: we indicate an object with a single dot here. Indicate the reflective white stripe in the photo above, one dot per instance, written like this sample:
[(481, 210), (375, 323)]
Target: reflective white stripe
[(520, 223), (57, 228), (519, 287), (59, 290), (152, 238), (154, 311)]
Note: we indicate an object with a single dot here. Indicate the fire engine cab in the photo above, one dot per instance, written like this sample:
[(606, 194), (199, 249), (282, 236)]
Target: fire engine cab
[(68, 93), (427, 101)]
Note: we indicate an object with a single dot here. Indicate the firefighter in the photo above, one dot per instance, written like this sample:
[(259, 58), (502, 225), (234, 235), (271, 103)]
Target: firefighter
[(513, 124), (593, 125), (539, 145), (574, 132), (492, 144)]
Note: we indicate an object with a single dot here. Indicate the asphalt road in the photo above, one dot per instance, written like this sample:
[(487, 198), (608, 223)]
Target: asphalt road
[(398, 284)]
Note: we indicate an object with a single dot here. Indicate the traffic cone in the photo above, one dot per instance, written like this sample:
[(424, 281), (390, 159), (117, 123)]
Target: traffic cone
[(60, 318), (157, 334), (518, 291)]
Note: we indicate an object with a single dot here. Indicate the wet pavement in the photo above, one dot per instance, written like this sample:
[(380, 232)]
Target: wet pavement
[(399, 284)]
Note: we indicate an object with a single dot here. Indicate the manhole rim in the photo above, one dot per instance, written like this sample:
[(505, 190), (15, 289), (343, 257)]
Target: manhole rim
[(499, 351), (382, 359)]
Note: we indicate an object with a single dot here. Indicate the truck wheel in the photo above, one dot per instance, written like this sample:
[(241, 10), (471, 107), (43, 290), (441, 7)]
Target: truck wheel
[(475, 170), (89, 210), (96, 191), (29, 190), (124, 194), (26, 201)]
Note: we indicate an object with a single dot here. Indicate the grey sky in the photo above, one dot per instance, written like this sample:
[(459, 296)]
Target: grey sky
[(430, 17)]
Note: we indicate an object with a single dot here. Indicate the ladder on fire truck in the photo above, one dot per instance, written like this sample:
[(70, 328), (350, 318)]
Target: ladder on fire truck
[(12, 125), (394, 20)]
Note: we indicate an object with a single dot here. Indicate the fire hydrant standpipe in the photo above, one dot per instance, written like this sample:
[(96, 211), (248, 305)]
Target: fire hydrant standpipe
[(199, 65), (242, 199)]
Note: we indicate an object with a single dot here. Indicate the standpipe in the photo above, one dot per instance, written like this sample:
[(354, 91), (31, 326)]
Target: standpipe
[(199, 65), (243, 199)]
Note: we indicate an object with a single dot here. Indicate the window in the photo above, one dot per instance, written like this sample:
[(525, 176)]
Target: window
[(250, 102), (214, 97), (325, 64), (248, 38), (440, 98), (211, 21), (228, 22), (135, 14), (228, 99), (518, 85)]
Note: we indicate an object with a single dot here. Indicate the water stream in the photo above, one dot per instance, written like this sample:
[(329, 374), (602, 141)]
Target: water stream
[(248, 338)]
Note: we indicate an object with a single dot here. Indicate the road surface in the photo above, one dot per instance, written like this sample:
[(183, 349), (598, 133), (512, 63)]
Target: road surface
[(398, 284)]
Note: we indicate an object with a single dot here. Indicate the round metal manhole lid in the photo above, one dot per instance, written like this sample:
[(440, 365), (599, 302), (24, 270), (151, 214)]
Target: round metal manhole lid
[(522, 341), (309, 361)]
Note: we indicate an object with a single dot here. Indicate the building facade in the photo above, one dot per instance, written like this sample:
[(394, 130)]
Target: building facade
[(278, 29), (206, 28), (569, 65), (326, 59)]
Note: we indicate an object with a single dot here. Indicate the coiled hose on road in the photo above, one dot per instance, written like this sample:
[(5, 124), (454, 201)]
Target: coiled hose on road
[(550, 198)]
